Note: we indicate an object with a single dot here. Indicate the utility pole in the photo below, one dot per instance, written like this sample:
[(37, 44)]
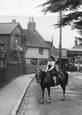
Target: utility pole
[(52, 46), (60, 41)]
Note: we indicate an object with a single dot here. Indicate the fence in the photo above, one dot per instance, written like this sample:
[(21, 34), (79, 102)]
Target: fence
[(11, 72)]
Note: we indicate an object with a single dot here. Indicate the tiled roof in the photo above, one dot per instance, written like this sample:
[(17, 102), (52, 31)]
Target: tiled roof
[(34, 39), (7, 28), (55, 52), (77, 47)]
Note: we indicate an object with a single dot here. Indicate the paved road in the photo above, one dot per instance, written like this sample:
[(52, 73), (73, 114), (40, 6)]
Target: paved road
[(71, 106)]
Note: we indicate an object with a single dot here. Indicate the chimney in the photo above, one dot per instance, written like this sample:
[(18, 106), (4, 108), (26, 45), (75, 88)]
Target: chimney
[(32, 19), (31, 24), (13, 20)]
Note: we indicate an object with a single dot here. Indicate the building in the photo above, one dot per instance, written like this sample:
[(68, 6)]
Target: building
[(10, 35), (37, 48), (52, 50), (75, 53)]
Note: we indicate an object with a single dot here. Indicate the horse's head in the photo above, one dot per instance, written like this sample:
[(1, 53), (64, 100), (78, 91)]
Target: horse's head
[(38, 75)]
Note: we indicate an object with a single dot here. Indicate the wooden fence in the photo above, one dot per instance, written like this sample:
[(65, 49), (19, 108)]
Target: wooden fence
[(11, 72)]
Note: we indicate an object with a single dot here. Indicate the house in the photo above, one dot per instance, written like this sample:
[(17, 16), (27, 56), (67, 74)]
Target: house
[(37, 48), (10, 35)]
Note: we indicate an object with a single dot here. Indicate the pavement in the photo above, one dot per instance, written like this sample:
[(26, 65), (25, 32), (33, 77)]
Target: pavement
[(12, 94)]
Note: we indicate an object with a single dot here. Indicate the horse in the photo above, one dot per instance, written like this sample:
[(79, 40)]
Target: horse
[(45, 80)]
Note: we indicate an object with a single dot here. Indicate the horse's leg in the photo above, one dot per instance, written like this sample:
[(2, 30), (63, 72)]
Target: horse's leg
[(43, 90), (63, 88), (48, 89)]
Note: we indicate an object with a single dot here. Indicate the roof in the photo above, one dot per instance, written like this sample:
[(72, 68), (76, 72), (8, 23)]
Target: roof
[(7, 28), (62, 57), (76, 48), (55, 52), (34, 39)]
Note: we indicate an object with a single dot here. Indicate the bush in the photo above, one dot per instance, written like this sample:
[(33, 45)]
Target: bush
[(43, 62)]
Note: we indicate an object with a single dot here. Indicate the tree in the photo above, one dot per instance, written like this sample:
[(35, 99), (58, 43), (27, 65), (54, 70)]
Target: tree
[(74, 17)]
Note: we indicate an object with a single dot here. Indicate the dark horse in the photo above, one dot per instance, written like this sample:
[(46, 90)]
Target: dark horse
[(46, 81)]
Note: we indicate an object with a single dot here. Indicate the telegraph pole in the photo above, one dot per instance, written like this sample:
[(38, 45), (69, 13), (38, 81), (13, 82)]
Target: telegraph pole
[(60, 41)]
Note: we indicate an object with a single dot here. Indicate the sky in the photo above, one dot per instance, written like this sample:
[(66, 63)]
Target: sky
[(21, 10)]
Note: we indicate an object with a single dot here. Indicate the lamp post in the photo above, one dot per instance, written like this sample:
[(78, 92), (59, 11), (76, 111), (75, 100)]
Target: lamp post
[(60, 41)]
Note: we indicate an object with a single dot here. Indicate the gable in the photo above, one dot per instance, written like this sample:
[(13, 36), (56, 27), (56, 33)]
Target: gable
[(7, 28)]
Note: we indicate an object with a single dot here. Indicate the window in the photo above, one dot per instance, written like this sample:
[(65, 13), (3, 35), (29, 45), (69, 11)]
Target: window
[(41, 50), (17, 38), (34, 61)]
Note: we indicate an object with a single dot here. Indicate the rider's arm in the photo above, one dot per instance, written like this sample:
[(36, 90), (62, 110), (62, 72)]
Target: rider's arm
[(52, 67), (47, 66)]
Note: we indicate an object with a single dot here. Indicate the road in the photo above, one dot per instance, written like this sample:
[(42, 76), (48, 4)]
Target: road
[(72, 105)]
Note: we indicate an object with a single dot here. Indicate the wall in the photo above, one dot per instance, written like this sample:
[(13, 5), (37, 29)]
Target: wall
[(5, 39), (34, 53)]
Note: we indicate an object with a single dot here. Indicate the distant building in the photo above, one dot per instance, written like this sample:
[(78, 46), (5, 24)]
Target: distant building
[(52, 50), (76, 52), (63, 52), (37, 48)]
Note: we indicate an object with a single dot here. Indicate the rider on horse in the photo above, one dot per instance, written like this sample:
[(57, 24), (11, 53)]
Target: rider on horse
[(51, 68)]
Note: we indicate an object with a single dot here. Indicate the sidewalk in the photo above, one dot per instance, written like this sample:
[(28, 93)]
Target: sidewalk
[(12, 93)]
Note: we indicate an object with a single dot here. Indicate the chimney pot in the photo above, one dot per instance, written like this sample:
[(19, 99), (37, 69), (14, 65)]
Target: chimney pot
[(14, 21)]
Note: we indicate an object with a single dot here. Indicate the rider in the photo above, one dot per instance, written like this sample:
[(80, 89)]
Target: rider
[(51, 68)]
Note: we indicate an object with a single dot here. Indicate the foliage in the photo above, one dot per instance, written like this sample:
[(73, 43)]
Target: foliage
[(74, 17), (43, 62), (23, 41), (57, 5)]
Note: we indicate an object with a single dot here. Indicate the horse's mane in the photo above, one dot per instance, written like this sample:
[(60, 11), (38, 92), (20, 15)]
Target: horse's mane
[(43, 73)]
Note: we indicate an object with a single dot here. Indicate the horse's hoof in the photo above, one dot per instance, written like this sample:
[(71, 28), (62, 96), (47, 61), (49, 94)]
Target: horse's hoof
[(49, 101), (62, 99), (42, 101)]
